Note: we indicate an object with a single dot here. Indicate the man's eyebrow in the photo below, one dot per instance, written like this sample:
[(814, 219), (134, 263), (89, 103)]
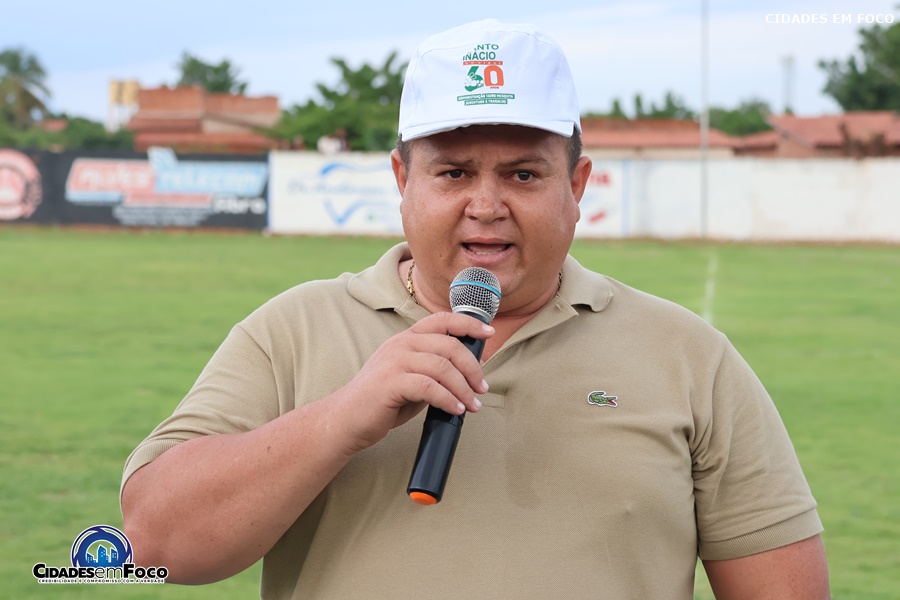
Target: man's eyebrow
[(530, 159), (446, 160)]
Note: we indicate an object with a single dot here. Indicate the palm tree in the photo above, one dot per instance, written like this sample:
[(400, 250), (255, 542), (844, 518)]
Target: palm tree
[(22, 88)]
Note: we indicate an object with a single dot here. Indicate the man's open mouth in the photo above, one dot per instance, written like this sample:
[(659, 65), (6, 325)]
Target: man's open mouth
[(485, 249)]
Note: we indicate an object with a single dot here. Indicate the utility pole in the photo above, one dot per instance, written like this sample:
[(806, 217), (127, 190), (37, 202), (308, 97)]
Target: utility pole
[(704, 118), (788, 64)]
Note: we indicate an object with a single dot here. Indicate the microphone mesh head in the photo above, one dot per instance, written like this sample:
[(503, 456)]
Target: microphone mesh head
[(478, 288)]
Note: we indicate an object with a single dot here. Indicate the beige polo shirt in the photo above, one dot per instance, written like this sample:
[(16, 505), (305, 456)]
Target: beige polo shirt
[(621, 435)]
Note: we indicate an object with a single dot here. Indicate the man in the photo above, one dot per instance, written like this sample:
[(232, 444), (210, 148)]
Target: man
[(613, 433)]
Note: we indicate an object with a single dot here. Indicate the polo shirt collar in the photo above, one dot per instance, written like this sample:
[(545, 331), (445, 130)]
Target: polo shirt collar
[(379, 287), (583, 287)]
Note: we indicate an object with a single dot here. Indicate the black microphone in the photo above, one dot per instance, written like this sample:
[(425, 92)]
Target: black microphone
[(474, 292)]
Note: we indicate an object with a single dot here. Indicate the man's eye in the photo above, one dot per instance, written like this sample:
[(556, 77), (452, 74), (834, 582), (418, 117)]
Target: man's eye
[(454, 174), (524, 175)]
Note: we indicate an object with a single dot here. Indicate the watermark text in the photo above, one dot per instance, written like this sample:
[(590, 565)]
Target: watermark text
[(829, 18)]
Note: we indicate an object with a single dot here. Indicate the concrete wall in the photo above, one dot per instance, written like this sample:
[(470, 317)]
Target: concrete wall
[(749, 199)]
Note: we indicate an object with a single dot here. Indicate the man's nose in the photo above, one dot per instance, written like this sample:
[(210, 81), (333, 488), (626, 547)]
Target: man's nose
[(488, 202)]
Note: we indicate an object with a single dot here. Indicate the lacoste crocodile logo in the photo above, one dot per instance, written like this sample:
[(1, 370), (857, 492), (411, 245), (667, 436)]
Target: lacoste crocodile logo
[(601, 399)]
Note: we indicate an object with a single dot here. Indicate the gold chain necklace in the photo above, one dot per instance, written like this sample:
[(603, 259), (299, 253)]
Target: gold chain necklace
[(409, 283), (412, 290)]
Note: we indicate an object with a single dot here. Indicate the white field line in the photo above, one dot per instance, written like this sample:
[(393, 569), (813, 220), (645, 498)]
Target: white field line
[(710, 294)]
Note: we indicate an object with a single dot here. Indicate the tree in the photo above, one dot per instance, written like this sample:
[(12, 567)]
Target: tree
[(749, 117), (365, 104), (673, 108), (22, 88), (217, 79), (84, 133), (8, 137), (615, 112), (639, 106), (79, 133), (873, 85)]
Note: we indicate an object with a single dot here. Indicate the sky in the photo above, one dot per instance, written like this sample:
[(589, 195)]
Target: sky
[(616, 48)]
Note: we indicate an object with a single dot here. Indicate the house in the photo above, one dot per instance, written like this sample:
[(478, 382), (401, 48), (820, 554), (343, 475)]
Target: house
[(852, 134), (651, 139), (189, 119)]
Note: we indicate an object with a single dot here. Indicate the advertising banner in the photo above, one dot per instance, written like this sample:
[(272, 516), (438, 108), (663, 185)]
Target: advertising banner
[(604, 202), (23, 193), (347, 193), (163, 190), (157, 189)]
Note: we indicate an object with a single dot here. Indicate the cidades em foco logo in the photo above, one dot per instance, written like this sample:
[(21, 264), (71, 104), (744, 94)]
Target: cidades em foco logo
[(100, 554)]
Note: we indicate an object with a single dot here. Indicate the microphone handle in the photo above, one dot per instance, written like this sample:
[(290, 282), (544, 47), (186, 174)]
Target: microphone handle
[(440, 434)]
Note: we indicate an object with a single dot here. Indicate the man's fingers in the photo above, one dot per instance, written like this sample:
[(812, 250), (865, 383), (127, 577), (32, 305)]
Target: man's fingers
[(459, 360), (424, 365), (443, 328), (454, 324), (450, 379), (433, 393)]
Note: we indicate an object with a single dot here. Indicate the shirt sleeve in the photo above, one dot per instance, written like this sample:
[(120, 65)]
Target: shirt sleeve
[(751, 495), (236, 392)]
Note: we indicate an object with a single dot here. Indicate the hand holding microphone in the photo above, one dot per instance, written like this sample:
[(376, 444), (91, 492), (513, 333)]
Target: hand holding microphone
[(474, 292), (421, 366)]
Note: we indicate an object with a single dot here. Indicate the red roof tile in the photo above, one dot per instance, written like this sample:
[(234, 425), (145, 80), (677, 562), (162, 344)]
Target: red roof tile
[(600, 132), (759, 141), (832, 130), (139, 123), (230, 103), (233, 142), (655, 139), (892, 134), (610, 123)]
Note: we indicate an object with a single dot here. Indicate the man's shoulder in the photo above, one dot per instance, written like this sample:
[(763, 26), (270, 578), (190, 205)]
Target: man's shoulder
[(641, 300), (319, 295), (605, 294), (375, 287)]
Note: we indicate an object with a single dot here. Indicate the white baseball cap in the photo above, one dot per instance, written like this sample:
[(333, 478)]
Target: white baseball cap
[(488, 72)]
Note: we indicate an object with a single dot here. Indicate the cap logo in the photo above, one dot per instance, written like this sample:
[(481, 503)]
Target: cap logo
[(483, 69)]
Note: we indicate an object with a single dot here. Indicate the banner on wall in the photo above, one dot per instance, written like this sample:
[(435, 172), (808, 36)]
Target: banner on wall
[(336, 194), (164, 190), (603, 204), (157, 189), (21, 186)]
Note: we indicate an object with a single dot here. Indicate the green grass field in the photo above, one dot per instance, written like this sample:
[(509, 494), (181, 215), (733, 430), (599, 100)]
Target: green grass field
[(101, 334)]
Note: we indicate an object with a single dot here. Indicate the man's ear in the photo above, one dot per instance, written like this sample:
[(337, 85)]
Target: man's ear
[(399, 170), (580, 176)]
